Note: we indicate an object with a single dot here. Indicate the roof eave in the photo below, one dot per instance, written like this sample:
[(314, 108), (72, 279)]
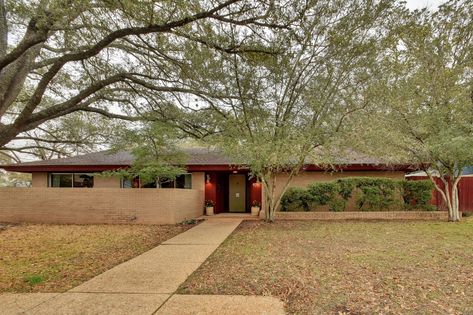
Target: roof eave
[(61, 168), (362, 167)]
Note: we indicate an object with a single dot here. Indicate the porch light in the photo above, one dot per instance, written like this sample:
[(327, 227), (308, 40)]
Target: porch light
[(234, 172), (207, 178)]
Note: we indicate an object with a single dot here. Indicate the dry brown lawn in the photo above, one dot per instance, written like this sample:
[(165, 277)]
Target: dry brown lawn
[(346, 267), (55, 258)]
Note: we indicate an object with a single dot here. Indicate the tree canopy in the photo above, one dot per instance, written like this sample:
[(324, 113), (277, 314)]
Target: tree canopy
[(107, 57), (274, 110), (424, 101)]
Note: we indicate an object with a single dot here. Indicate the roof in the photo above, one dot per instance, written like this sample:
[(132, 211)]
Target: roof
[(197, 159), (196, 156)]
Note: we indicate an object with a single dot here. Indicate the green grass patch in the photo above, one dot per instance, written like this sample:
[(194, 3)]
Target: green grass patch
[(34, 279)]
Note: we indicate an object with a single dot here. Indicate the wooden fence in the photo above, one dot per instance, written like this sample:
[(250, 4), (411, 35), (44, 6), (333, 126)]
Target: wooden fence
[(465, 193)]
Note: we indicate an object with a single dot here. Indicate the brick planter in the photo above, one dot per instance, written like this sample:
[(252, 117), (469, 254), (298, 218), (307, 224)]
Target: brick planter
[(363, 215)]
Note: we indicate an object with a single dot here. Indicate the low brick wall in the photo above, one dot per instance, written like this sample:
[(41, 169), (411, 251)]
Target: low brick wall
[(365, 215), (100, 205)]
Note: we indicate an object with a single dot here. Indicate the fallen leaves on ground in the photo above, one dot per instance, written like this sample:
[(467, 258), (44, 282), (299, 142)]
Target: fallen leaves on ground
[(56, 258), (346, 267)]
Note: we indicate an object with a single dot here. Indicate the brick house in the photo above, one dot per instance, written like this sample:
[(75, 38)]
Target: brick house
[(54, 196)]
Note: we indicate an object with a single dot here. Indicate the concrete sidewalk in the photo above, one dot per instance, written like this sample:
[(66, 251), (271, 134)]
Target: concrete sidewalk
[(146, 283)]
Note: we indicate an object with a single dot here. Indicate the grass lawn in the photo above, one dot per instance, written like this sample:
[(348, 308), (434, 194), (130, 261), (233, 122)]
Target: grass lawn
[(55, 258), (346, 267)]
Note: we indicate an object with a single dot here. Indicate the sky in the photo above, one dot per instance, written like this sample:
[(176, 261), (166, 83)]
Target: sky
[(419, 4)]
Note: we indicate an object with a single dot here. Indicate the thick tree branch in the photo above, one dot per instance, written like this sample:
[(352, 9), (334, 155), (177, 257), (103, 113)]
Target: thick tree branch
[(107, 114), (107, 40)]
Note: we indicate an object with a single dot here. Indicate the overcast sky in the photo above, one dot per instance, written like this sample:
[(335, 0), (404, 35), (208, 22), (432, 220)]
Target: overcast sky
[(419, 4)]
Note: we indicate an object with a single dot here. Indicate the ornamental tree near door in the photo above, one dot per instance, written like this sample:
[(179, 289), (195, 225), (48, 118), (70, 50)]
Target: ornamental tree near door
[(284, 105)]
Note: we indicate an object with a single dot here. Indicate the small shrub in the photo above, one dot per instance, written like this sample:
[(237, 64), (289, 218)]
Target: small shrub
[(417, 194), (295, 199), (374, 198), (337, 205), (346, 187), (372, 194), (467, 214), (376, 194), (322, 193), (190, 222)]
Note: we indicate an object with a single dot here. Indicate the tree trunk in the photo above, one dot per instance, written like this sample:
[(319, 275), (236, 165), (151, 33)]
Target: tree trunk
[(273, 201), (269, 184), (449, 196), (455, 201), (3, 29)]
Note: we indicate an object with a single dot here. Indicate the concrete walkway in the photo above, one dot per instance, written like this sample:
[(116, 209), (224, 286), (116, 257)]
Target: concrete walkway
[(146, 284)]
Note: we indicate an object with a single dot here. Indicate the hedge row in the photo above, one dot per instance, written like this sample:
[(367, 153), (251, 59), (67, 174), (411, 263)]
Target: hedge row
[(371, 194)]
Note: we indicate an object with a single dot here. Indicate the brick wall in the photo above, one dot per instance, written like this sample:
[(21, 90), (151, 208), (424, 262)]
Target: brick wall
[(99, 205), (198, 180), (39, 179), (368, 215), (106, 182)]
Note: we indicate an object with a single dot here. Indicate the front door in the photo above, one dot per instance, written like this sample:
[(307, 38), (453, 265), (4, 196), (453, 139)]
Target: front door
[(237, 193)]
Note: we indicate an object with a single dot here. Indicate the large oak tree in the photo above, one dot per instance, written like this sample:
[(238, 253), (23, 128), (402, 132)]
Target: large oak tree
[(62, 56)]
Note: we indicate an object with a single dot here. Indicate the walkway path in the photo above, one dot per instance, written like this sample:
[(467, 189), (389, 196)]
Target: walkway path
[(146, 283)]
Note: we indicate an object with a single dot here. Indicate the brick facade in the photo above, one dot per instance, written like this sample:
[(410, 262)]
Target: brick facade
[(100, 205), (368, 215)]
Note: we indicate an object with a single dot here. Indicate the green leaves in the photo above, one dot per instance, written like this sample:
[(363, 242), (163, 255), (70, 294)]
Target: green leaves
[(367, 193), (155, 151), (422, 105)]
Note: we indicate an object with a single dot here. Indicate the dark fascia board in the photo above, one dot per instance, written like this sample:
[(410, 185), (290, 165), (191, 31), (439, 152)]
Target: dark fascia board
[(61, 168), (362, 167)]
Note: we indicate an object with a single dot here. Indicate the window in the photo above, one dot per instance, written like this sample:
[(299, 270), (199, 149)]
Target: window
[(74, 180), (165, 183), (83, 180), (61, 180), (183, 181), (130, 183)]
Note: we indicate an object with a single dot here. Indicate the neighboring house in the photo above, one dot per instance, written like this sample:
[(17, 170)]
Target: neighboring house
[(210, 175)]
